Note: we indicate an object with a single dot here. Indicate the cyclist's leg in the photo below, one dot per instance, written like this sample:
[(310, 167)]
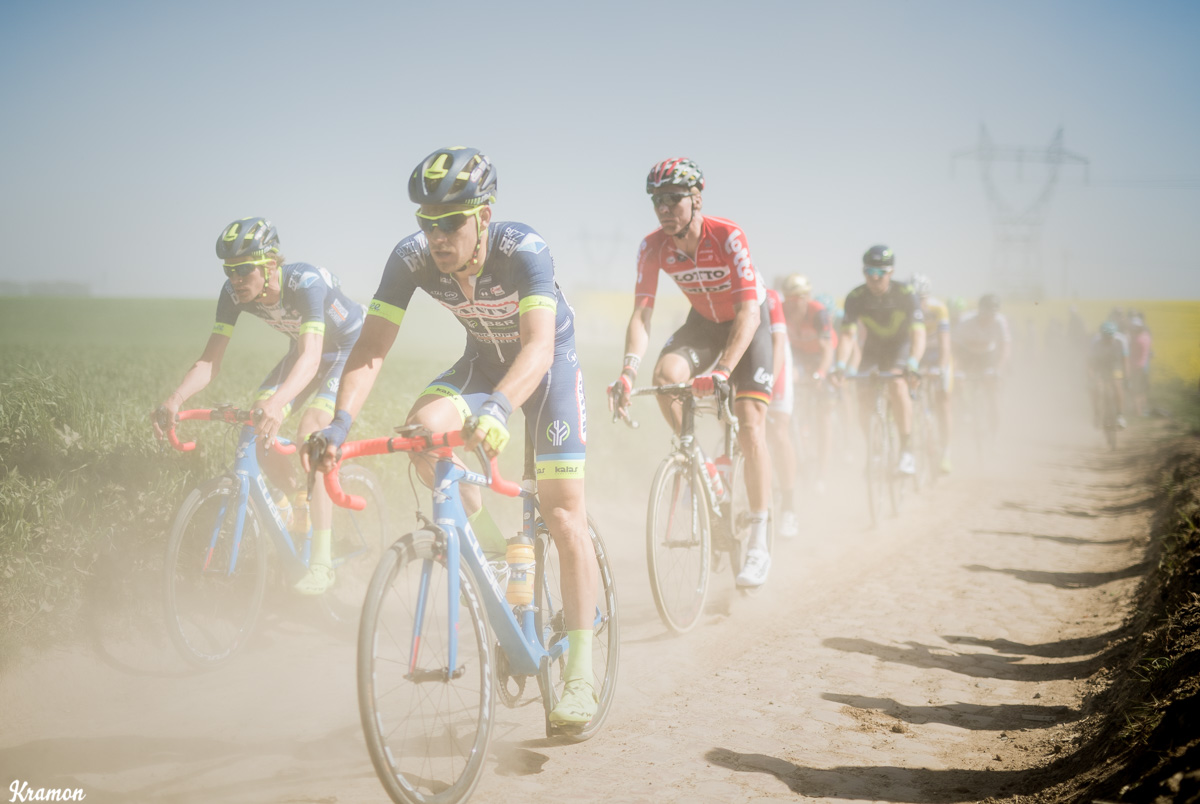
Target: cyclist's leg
[(557, 417), (692, 349), (445, 404), (752, 381), (779, 424)]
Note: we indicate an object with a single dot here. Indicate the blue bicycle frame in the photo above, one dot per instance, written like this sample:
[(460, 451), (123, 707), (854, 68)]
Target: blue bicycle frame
[(518, 638)]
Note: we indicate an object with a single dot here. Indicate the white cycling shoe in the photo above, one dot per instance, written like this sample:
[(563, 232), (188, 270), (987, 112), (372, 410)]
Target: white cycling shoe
[(908, 464), (754, 571), (789, 528)]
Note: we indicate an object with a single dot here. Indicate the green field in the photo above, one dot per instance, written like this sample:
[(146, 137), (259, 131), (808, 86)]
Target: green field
[(82, 478)]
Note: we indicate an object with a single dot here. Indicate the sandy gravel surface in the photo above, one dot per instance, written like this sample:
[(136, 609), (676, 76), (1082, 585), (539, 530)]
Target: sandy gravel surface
[(935, 659)]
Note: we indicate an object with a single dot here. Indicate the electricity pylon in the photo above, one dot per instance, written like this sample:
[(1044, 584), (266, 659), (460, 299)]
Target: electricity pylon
[(1016, 253)]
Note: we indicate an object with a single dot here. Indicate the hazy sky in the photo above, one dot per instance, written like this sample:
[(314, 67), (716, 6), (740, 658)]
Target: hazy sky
[(132, 132)]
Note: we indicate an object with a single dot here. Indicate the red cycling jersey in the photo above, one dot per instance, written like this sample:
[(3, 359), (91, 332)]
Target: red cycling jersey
[(809, 323), (721, 276)]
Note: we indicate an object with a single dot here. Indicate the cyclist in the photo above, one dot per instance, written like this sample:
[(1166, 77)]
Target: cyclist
[(894, 340), (813, 341), (725, 339), (779, 416), (1107, 356), (1141, 349), (498, 279), (938, 359), (306, 304), (982, 347)]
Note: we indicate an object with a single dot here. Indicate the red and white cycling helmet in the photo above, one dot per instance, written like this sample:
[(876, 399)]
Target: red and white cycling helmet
[(676, 172)]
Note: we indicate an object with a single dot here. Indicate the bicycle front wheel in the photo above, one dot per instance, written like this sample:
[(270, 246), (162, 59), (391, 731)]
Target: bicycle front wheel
[(551, 627), (877, 466), (357, 542), (678, 543), (426, 723), (215, 577)]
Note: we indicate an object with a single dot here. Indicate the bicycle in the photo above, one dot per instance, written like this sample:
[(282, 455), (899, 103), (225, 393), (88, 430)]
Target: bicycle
[(926, 438), (424, 641), (216, 561), (698, 512), (883, 446)]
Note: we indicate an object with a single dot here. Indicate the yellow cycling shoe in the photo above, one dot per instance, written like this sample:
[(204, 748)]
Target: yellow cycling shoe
[(316, 581), (577, 706)]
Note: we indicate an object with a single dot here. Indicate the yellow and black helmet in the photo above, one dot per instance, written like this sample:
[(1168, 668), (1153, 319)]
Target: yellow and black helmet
[(456, 175), (248, 237)]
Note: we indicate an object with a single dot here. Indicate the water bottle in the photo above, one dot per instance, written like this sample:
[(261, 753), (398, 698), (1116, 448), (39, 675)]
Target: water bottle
[(520, 570), (724, 470), (714, 477)]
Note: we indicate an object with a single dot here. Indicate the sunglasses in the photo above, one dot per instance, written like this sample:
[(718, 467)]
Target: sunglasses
[(667, 199), (448, 222), (243, 268), (876, 272)]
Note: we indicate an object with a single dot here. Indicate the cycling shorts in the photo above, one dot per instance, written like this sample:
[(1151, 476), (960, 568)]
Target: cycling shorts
[(884, 355), (555, 414), (325, 382), (700, 342)]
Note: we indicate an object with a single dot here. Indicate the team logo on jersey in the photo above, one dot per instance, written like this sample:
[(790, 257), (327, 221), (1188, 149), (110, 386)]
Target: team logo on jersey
[(338, 310), (558, 432), (741, 255), (509, 239), (703, 274), (412, 251), (497, 290), (572, 358), (532, 244)]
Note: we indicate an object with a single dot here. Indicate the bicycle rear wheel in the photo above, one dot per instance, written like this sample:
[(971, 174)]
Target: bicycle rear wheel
[(551, 626), (357, 542), (678, 543), (214, 582), (426, 724)]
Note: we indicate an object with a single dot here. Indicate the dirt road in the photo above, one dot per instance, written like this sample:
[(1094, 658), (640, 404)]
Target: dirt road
[(935, 659)]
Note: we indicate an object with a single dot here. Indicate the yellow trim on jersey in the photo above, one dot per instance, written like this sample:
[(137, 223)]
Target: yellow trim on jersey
[(388, 312), (559, 470), (223, 329), (313, 326), (434, 389), (322, 403), (918, 325), (537, 302)]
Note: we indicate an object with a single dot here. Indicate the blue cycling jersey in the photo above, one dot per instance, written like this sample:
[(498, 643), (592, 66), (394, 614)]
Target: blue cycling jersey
[(310, 300), (516, 276)]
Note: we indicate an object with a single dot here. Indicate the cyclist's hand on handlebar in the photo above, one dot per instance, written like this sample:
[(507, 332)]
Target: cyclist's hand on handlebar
[(619, 395), (491, 429), (163, 420), (320, 451), (912, 371), (269, 417), (706, 384)]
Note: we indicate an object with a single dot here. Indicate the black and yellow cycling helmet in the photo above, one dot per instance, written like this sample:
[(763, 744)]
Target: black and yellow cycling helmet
[(456, 175), (248, 237)]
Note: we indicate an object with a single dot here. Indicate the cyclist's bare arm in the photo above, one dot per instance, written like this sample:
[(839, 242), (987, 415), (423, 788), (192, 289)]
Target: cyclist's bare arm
[(362, 369), (918, 342), (827, 356), (778, 353), (302, 372), (534, 359), (745, 322), (637, 338), (944, 352), (846, 342), (637, 334), (197, 378)]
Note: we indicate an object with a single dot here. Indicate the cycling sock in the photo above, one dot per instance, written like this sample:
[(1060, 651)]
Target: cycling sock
[(579, 656), (758, 531), (488, 534), (320, 547)]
